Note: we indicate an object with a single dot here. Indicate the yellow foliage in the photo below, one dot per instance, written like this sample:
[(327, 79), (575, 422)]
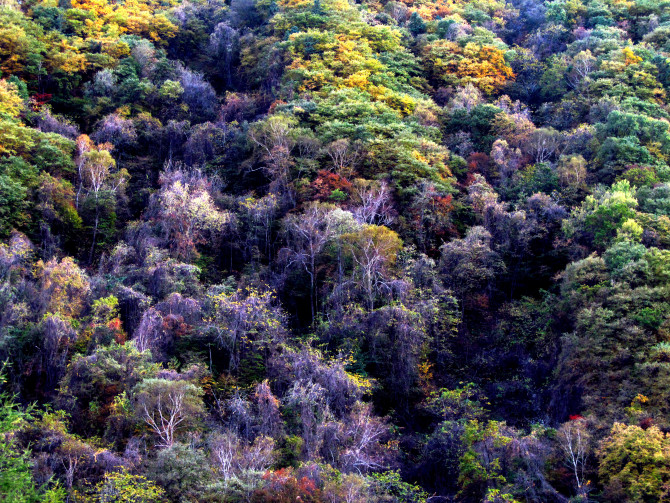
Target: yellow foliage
[(630, 58), (66, 58), (65, 286), (483, 66), (10, 101)]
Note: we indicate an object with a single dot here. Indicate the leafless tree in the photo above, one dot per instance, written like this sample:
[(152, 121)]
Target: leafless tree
[(574, 439), (245, 318), (198, 94), (364, 433), (149, 331), (167, 406), (373, 249), (233, 455), (72, 453), (259, 455), (543, 144), (186, 210), (266, 408), (466, 97), (260, 214), (344, 156), (97, 176), (375, 205), (57, 337), (275, 140), (308, 398), (224, 450), (223, 44), (507, 159), (145, 55), (117, 131), (49, 123), (583, 65), (397, 10), (166, 417), (307, 235)]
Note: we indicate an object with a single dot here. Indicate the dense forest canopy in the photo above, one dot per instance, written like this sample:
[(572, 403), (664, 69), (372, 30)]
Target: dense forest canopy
[(334, 251)]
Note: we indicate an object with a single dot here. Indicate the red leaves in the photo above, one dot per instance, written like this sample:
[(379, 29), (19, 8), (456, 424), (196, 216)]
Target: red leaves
[(479, 162), (40, 99), (275, 104), (646, 423), (284, 487), (175, 325), (326, 183), (119, 335)]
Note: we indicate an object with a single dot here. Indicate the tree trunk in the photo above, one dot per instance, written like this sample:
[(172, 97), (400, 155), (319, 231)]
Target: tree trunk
[(95, 230)]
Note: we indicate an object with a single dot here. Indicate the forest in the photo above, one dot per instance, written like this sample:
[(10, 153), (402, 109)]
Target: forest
[(334, 251)]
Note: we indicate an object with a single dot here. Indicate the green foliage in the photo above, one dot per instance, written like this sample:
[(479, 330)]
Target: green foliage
[(401, 165), (181, 472), (168, 407), (603, 216), (634, 463), (390, 483), (460, 404), (480, 465), (16, 481)]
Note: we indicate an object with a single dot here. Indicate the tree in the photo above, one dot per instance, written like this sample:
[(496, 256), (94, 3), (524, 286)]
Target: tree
[(307, 235), (396, 335), (233, 456), (259, 216), (602, 215), (470, 266), (635, 463), (344, 156), (97, 177), (186, 212), (274, 139), (10, 101), (116, 131), (198, 95), (480, 466), (123, 487), (16, 481), (543, 144), (484, 66), (574, 439), (374, 250), (13, 204), (98, 387), (245, 319), (363, 437), (466, 98), (572, 170), (164, 322), (167, 407), (374, 205), (63, 288), (223, 46), (307, 400), (266, 407), (179, 471), (416, 25)]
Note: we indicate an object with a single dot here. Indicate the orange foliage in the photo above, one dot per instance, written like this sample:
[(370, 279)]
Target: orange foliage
[(483, 66), (324, 185)]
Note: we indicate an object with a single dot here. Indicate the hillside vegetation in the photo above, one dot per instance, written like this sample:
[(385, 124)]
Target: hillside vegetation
[(334, 251)]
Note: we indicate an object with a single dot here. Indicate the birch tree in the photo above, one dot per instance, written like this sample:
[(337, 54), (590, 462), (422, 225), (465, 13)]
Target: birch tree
[(168, 407)]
